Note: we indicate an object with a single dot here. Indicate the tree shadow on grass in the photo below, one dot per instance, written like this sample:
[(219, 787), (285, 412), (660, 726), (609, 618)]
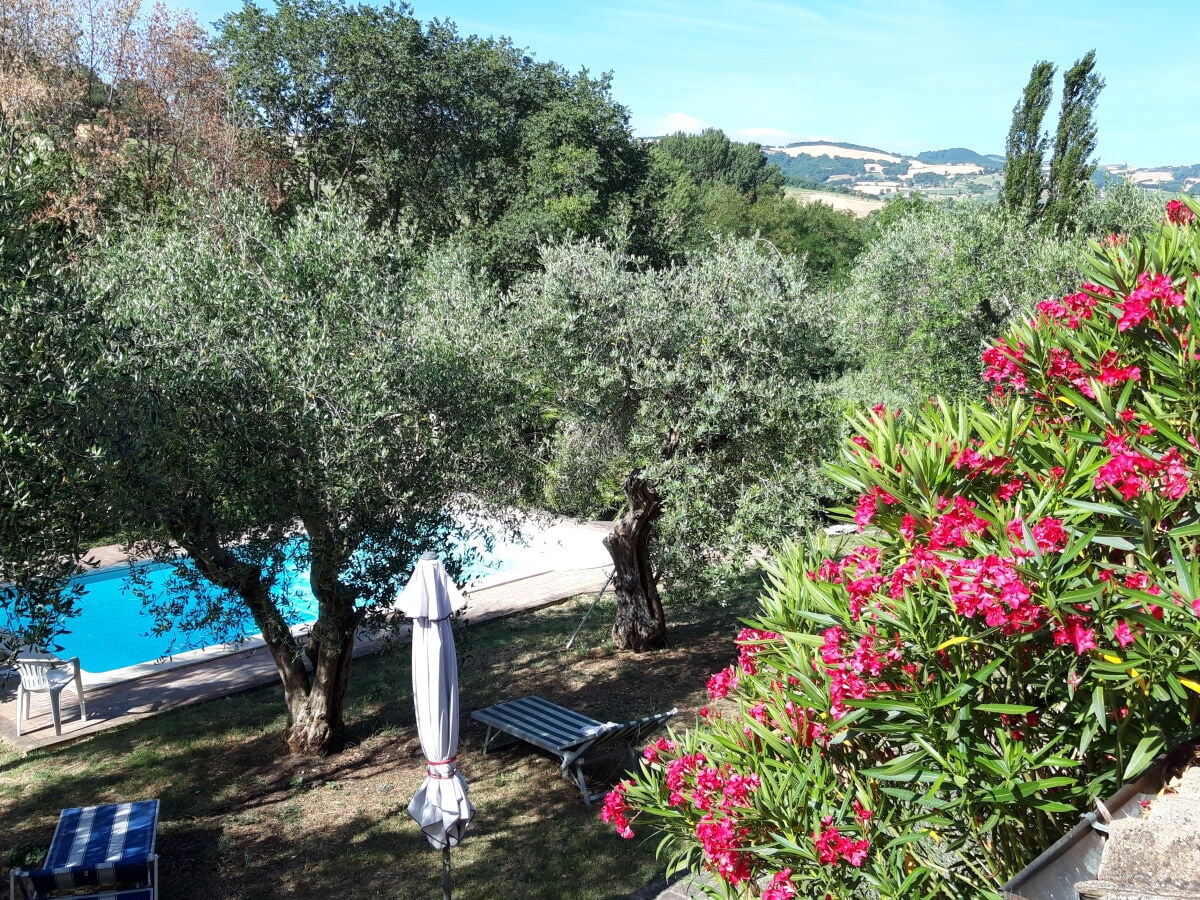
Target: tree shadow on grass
[(523, 843), (243, 819)]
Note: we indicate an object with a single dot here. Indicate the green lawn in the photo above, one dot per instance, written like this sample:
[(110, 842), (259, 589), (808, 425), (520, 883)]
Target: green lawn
[(241, 818)]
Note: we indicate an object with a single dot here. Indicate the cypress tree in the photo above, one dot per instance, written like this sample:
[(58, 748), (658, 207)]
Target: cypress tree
[(1071, 167), (1021, 191)]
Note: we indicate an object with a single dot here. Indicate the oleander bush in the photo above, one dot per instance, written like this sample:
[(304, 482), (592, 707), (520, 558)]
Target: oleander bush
[(1015, 635)]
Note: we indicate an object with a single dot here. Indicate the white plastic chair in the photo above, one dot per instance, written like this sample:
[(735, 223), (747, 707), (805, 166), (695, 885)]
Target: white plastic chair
[(40, 675)]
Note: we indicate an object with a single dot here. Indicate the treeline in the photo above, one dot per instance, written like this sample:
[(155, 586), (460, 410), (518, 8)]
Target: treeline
[(338, 271), (443, 136)]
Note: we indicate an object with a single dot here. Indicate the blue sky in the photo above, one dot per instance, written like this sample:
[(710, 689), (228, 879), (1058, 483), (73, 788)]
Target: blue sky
[(903, 75)]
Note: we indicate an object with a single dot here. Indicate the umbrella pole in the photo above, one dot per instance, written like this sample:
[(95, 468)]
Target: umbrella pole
[(579, 627), (446, 872)]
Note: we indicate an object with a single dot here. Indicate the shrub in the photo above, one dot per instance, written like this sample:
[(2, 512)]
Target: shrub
[(919, 716), (936, 283), (932, 288)]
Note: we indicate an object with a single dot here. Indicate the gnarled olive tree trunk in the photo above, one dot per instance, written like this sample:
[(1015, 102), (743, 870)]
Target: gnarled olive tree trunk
[(316, 716), (317, 720), (640, 623), (315, 699)]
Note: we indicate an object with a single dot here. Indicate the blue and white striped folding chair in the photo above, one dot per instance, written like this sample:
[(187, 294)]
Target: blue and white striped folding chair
[(110, 846)]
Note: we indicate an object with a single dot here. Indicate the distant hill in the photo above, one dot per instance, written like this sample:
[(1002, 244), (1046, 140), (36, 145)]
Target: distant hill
[(841, 145), (879, 173), (1169, 179), (953, 173), (962, 155)]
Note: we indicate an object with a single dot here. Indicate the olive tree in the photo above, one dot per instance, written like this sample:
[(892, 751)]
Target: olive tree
[(698, 386), (934, 286), (937, 283), (275, 381)]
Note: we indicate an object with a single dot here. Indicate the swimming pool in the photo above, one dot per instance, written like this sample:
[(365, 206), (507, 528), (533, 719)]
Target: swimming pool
[(113, 630)]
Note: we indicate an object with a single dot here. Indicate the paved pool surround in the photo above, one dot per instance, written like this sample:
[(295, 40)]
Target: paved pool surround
[(566, 558)]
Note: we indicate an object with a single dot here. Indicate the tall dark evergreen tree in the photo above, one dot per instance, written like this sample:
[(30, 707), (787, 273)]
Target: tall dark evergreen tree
[(1072, 166), (1021, 192)]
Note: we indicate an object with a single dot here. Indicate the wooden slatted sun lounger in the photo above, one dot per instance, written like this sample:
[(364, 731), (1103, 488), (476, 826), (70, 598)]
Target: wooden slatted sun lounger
[(572, 737)]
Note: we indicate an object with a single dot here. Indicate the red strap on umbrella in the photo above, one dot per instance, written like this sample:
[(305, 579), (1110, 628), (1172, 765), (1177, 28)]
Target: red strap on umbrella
[(429, 764)]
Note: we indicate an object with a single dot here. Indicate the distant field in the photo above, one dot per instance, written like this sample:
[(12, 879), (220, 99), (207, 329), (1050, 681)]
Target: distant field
[(835, 150), (860, 206)]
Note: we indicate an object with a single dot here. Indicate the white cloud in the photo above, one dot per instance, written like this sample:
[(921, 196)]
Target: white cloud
[(677, 121)]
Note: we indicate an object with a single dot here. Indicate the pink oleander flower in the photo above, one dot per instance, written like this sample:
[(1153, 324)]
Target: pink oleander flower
[(737, 790), (1179, 213), (614, 811), (954, 527), (862, 815), (679, 771), (1152, 292), (831, 648), (921, 564), (1122, 633), (1137, 581), (1111, 374), (1071, 309), (865, 510), (975, 464), (780, 887), (860, 591), (1075, 631), (994, 590), (751, 642), (1003, 365), (1063, 366), (653, 751), (721, 840), (1010, 489), (831, 846), (1049, 535), (1127, 469), (758, 713), (710, 782), (1176, 475), (722, 682), (804, 723)]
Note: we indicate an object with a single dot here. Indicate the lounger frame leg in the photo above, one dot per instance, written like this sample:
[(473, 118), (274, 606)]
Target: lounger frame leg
[(581, 780), (492, 739)]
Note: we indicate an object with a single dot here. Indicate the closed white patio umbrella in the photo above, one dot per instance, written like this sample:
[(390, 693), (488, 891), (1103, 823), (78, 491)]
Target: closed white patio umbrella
[(440, 805)]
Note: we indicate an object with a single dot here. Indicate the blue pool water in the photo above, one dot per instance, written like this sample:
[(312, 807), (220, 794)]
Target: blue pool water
[(113, 630)]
